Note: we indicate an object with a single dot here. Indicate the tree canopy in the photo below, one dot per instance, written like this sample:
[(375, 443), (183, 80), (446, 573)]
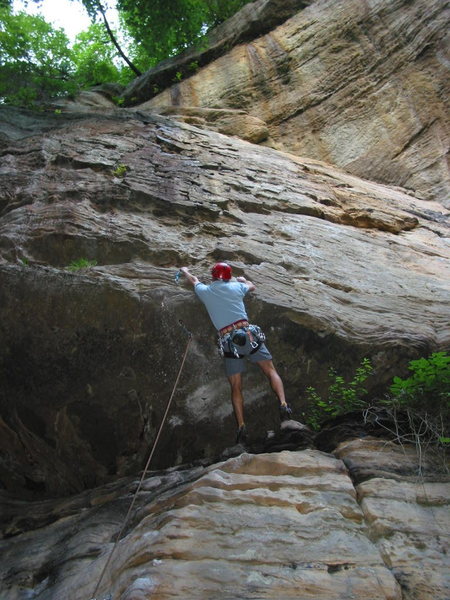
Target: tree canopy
[(163, 28), (37, 61)]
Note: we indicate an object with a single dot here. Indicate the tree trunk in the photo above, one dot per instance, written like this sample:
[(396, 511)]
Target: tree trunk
[(116, 43)]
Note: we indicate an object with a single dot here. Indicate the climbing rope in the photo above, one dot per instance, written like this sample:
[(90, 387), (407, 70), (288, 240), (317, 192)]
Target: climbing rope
[(144, 473)]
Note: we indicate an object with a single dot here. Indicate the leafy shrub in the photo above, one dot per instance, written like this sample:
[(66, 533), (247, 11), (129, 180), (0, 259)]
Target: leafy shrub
[(424, 398), (415, 411), (428, 386), (342, 397)]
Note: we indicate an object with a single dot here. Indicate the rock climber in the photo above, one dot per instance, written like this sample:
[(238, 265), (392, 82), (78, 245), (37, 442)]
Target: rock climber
[(238, 339)]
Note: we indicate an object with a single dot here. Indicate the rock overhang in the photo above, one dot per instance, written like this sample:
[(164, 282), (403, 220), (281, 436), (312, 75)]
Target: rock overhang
[(100, 344)]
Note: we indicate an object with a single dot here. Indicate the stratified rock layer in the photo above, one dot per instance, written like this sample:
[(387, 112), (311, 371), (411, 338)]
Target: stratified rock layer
[(361, 85), (344, 268), (274, 526), (407, 513)]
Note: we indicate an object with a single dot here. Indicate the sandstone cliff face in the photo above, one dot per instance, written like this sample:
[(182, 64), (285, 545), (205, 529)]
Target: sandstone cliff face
[(359, 524), (344, 268), (361, 85)]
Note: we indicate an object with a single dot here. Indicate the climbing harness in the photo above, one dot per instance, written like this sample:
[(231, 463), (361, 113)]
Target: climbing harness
[(236, 325), (144, 473), (241, 341)]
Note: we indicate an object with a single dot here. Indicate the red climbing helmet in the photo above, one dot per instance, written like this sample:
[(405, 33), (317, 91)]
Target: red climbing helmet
[(221, 271)]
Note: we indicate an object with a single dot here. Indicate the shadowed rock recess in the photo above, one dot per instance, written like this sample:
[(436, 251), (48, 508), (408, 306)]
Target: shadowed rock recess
[(243, 161)]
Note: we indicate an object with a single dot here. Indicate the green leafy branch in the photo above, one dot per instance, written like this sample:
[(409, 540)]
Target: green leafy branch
[(428, 384), (342, 397), (416, 409)]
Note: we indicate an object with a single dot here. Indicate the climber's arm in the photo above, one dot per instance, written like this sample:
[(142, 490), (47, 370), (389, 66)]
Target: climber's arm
[(191, 278), (251, 286)]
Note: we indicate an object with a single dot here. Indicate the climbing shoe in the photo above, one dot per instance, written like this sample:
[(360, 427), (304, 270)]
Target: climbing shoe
[(285, 412), (241, 437)]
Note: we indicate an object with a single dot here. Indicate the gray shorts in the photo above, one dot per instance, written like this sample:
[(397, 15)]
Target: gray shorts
[(237, 365)]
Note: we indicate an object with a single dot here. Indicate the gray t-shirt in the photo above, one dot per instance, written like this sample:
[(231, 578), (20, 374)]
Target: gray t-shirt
[(224, 301)]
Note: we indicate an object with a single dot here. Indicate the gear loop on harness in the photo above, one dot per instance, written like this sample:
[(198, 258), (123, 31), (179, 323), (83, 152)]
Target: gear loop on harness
[(231, 342)]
